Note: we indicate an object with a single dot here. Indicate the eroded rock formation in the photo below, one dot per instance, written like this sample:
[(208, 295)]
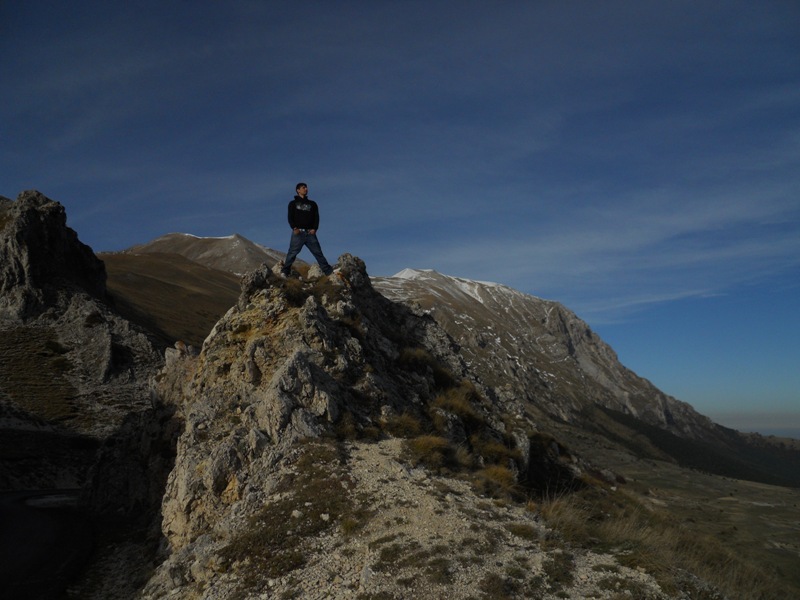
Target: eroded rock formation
[(293, 366)]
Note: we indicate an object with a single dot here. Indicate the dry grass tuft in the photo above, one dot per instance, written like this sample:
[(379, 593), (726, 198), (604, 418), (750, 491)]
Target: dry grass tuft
[(347, 427), (405, 425), (493, 451), (524, 531), (295, 292), (459, 401), (432, 451), (497, 481), (420, 360), (560, 570), (418, 357)]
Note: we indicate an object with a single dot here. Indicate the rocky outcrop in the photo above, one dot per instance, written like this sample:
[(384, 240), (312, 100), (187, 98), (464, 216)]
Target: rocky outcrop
[(354, 520), (73, 374), (76, 409), (41, 259), (286, 363), (324, 359), (331, 443)]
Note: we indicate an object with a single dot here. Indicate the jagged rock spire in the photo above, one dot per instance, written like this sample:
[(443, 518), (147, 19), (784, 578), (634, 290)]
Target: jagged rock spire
[(41, 259)]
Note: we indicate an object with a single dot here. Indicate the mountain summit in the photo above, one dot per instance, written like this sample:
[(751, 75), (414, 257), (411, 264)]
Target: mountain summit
[(314, 416), (233, 253)]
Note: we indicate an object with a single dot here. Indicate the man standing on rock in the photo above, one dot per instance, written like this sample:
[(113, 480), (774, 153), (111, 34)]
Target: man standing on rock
[(304, 221)]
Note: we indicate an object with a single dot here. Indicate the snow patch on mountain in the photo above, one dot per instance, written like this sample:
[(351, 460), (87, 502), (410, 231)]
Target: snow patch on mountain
[(476, 289), (233, 253)]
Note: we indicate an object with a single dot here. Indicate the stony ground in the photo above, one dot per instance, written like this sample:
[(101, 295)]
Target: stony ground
[(425, 536)]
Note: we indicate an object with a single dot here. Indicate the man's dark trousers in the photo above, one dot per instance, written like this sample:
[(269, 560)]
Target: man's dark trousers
[(310, 241)]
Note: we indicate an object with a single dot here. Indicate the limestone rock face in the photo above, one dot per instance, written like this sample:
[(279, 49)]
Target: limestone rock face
[(538, 352), (285, 364), (296, 361)]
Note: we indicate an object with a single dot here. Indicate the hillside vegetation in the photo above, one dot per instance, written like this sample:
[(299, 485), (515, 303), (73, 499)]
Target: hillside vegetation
[(169, 295)]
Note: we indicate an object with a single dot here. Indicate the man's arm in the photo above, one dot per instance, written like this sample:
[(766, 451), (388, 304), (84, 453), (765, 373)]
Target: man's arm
[(316, 217)]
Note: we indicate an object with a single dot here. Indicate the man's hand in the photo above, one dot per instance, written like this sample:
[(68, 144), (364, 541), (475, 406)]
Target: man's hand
[(296, 230), (312, 231)]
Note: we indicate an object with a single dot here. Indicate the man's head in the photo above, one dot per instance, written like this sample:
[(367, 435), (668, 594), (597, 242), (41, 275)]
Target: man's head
[(301, 189)]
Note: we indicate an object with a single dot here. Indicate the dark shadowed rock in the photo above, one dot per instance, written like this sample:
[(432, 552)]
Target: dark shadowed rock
[(41, 258), (76, 409)]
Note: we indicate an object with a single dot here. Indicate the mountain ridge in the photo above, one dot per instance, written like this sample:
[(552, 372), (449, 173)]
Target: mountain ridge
[(550, 361), (452, 301), (325, 440), (234, 253), (553, 367)]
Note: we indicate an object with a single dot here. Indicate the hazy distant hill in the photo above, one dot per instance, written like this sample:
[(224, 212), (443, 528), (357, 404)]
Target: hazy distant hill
[(233, 253)]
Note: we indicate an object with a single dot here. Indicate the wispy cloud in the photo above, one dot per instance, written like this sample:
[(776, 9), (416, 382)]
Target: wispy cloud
[(616, 168), (581, 174)]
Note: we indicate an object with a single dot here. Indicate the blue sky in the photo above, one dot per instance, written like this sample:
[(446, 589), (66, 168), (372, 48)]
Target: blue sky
[(637, 161)]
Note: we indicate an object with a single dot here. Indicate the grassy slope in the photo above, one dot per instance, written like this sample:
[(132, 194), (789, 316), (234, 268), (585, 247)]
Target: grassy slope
[(728, 454), (753, 524), (169, 295)]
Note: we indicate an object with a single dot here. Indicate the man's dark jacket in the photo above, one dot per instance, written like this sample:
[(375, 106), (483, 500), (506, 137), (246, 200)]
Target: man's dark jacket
[(303, 213)]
